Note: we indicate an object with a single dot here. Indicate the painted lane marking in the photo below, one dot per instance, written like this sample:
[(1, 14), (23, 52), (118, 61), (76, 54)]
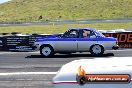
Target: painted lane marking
[(8, 53), (18, 52), (28, 73), (70, 82)]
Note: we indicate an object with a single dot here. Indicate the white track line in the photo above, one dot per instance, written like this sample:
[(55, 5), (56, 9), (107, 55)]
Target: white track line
[(16, 52), (28, 73), (7, 53)]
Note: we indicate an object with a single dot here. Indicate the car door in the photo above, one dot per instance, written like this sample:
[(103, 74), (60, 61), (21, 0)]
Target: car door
[(68, 42), (87, 38)]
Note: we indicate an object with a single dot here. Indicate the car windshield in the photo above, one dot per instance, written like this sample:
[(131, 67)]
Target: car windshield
[(98, 33)]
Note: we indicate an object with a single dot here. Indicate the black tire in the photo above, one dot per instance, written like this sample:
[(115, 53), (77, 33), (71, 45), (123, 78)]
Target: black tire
[(99, 50), (46, 51)]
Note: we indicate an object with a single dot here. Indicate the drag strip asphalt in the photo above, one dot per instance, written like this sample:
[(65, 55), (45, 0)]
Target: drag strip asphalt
[(30, 70)]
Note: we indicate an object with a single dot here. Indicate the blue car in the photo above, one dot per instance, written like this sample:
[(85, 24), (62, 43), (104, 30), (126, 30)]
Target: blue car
[(76, 40)]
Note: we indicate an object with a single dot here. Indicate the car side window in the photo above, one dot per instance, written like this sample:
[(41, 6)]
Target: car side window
[(71, 34), (88, 34)]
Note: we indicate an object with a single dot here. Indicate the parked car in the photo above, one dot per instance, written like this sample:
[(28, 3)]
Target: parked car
[(76, 40), (95, 73)]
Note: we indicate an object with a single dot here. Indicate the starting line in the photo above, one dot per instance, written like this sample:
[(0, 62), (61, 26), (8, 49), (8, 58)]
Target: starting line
[(28, 73)]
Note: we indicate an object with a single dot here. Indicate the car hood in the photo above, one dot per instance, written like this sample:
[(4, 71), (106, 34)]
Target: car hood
[(111, 38)]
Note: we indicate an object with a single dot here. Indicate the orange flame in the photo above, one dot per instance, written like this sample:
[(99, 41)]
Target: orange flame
[(81, 71)]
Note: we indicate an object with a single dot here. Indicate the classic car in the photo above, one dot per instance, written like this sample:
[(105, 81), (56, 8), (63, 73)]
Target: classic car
[(76, 40), (95, 73)]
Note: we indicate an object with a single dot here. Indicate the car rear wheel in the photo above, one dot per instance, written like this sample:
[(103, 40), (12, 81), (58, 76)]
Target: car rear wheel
[(97, 50), (46, 51)]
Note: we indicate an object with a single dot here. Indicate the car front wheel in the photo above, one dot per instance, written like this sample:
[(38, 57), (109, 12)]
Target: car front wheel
[(46, 51), (97, 50)]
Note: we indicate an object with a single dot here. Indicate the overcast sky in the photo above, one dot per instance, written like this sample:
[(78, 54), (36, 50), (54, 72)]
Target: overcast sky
[(2, 1)]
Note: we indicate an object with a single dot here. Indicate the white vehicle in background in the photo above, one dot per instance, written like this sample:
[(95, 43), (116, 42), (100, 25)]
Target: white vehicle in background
[(95, 73), (115, 31), (103, 31)]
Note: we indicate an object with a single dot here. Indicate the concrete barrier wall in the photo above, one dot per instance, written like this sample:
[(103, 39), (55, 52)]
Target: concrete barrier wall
[(124, 38), (23, 43)]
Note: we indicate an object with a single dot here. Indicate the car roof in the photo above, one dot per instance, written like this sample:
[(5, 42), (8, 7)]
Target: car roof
[(81, 28)]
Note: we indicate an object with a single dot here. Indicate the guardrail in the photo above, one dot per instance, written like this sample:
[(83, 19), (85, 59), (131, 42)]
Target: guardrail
[(118, 20)]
